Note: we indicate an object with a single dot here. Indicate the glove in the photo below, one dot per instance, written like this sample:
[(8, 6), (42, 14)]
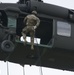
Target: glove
[(35, 27)]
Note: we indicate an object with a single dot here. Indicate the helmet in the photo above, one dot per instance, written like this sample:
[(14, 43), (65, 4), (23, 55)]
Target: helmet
[(34, 12)]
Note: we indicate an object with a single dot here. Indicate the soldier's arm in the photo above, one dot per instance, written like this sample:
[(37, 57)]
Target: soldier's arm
[(25, 20), (38, 23)]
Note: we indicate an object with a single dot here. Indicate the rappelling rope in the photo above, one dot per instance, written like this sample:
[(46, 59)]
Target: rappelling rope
[(7, 68), (39, 59), (23, 70)]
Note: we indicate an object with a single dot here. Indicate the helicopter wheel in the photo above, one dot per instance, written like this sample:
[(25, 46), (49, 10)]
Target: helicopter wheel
[(7, 46)]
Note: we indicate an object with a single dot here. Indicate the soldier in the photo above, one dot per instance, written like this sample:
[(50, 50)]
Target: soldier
[(32, 22)]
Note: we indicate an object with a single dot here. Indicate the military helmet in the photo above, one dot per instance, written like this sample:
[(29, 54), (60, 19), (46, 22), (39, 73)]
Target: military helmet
[(34, 12)]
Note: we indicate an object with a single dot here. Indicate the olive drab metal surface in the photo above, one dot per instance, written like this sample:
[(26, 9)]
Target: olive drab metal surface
[(55, 31)]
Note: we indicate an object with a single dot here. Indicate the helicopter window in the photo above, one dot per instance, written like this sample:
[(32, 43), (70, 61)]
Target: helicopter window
[(12, 22), (63, 28)]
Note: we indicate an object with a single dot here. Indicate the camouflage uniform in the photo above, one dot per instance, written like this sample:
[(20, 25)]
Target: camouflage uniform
[(32, 22)]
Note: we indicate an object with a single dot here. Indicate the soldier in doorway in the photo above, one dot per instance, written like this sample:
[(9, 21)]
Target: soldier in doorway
[(32, 22)]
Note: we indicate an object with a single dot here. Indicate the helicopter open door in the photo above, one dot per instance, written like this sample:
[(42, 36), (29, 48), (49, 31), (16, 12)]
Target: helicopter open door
[(44, 31)]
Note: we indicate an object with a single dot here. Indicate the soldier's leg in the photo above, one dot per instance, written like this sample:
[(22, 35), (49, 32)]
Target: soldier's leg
[(32, 33), (24, 37), (24, 34)]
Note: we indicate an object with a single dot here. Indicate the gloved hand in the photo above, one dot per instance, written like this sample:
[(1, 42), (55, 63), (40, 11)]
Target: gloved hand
[(35, 27)]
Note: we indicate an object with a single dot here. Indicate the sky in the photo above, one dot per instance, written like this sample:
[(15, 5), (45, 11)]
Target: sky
[(63, 3), (16, 69)]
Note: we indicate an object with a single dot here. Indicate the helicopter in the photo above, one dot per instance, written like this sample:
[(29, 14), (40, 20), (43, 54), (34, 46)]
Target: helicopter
[(56, 33)]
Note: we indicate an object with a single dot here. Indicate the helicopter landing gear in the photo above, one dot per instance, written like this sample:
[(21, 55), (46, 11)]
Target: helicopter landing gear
[(7, 46)]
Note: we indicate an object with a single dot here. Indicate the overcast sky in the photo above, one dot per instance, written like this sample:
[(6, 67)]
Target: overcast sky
[(15, 69)]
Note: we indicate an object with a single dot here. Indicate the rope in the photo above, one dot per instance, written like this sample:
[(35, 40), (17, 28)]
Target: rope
[(23, 70), (7, 68), (39, 59), (41, 72)]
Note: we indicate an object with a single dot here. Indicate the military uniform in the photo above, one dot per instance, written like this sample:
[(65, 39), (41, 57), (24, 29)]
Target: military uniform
[(32, 22)]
